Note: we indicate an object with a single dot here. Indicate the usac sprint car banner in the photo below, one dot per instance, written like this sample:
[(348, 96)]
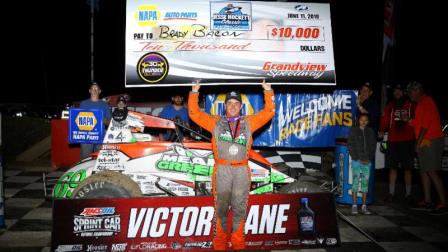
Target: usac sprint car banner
[(274, 221), (301, 120), (172, 43)]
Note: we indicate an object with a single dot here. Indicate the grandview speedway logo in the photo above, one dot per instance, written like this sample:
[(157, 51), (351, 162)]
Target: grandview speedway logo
[(197, 221), (294, 69), (96, 221)]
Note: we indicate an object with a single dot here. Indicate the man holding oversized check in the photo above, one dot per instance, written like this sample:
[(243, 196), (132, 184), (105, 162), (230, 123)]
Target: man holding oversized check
[(231, 141)]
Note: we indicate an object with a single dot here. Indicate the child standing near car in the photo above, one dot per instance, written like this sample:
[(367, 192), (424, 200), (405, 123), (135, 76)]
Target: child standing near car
[(362, 147)]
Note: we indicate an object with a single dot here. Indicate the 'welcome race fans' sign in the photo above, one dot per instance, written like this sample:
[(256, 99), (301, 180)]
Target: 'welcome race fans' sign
[(172, 43), (300, 120)]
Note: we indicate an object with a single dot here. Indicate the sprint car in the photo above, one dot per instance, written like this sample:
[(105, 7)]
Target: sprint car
[(133, 162)]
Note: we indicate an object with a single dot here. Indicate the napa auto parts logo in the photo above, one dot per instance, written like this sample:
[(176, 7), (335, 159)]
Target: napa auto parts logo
[(97, 221), (279, 70), (181, 15), (86, 121), (85, 126), (147, 15), (236, 16)]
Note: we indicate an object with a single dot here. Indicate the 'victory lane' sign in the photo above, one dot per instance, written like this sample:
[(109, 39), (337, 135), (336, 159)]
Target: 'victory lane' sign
[(274, 221)]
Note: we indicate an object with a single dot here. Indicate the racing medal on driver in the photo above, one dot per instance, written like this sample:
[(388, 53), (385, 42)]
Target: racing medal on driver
[(233, 149)]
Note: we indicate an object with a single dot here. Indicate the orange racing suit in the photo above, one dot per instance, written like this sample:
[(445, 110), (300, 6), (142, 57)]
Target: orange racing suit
[(231, 144)]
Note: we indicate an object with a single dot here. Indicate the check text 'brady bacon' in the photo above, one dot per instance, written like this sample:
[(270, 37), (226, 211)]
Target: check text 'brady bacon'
[(294, 69), (197, 221)]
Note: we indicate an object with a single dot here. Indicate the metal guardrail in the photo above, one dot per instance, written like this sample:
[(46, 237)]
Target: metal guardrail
[(49, 184)]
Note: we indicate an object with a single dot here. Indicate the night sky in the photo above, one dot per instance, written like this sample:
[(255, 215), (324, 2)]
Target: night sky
[(47, 64)]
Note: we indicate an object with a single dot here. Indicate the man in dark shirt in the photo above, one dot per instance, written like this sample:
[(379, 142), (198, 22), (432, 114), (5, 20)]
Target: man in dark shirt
[(177, 112), (367, 105)]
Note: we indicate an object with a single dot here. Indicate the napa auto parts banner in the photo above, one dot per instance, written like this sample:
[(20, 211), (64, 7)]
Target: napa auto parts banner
[(86, 126), (300, 120), (173, 43), (186, 223)]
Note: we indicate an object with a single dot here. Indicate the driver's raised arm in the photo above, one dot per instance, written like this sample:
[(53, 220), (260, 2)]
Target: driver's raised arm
[(203, 119)]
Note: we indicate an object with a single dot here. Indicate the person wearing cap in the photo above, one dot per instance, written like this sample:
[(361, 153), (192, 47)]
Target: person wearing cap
[(121, 111), (366, 105), (400, 140), (175, 111), (94, 102), (231, 143), (429, 146)]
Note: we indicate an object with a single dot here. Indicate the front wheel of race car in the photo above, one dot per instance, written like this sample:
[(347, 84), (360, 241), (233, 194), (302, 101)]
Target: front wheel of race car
[(107, 184)]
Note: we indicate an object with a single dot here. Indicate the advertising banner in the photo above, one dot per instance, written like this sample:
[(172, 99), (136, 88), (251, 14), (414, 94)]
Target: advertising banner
[(300, 120), (173, 43), (86, 126), (275, 221)]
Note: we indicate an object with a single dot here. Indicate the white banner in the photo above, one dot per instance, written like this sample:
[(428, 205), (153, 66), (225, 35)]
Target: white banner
[(173, 43)]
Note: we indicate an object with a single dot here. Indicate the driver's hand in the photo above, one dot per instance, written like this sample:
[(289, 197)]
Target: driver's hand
[(195, 88), (266, 86)]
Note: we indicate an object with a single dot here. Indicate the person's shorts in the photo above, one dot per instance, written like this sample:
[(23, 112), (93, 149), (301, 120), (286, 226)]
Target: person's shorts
[(430, 158), (400, 153), (360, 176)]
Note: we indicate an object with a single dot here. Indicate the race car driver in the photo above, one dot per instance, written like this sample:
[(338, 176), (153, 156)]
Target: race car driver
[(231, 143)]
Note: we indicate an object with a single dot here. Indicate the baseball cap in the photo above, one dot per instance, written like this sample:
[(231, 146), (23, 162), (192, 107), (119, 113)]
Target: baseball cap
[(399, 87), (414, 85), (367, 84), (122, 98), (177, 94), (92, 83), (233, 95)]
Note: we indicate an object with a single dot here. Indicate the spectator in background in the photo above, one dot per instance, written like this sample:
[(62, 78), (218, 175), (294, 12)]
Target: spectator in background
[(361, 146), (400, 140), (429, 146), (121, 111), (367, 105), (177, 112), (94, 102)]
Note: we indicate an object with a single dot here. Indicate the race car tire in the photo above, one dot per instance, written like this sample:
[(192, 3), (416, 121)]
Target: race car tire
[(300, 187), (107, 184)]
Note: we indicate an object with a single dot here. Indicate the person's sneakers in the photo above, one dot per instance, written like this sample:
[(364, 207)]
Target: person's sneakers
[(364, 210), (389, 198), (423, 206), (440, 209), (354, 209)]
